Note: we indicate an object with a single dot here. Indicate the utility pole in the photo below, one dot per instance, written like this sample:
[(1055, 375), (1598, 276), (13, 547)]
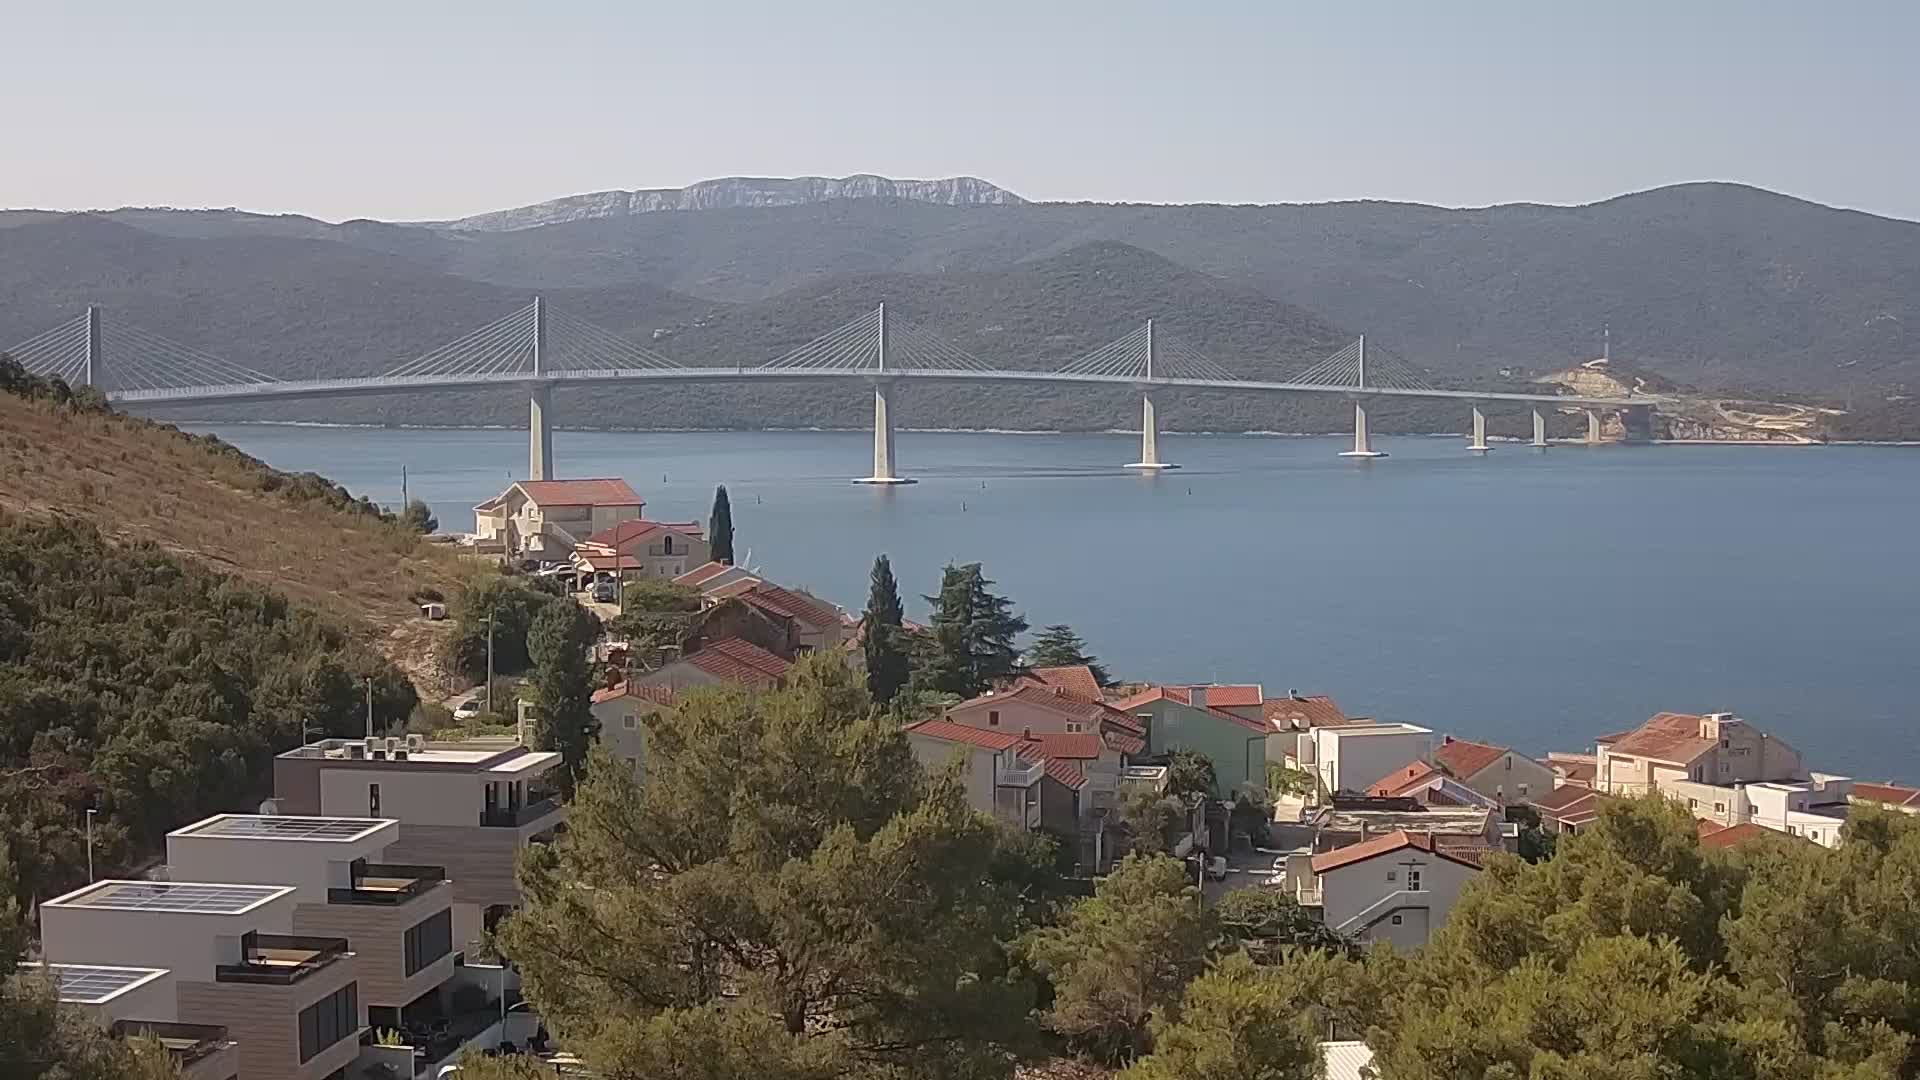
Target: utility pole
[(489, 661), (90, 812), (403, 488), (369, 706)]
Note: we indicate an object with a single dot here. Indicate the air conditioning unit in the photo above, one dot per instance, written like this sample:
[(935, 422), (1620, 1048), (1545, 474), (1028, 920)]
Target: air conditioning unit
[(394, 744), (375, 747), (416, 743)]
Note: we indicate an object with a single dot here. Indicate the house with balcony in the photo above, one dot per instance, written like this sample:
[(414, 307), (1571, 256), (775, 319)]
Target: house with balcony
[(1698, 760), (1184, 718), (1028, 706), (131, 1002), (643, 547), (1396, 888), (398, 917), (548, 519), (1067, 784), (468, 808), (289, 1002)]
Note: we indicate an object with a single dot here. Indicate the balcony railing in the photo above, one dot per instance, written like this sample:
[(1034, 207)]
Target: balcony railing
[(505, 817), (388, 884), (1021, 775), (280, 959), (186, 1043)]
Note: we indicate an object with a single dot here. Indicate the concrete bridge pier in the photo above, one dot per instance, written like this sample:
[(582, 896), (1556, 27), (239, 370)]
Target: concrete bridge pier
[(1479, 443), (1593, 427), (1362, 442), (539, 435), (883, 473), (1149, 438), (1539, 429)]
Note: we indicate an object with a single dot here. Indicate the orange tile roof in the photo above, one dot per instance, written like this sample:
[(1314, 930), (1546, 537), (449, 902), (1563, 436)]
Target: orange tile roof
[(659, 695), (733, 588), (737, 660), (1890, 794), (1235, 695), (1168, 693), (604, 491), (1125, 743), (1726, 836), (952, 732), (797, 606), (1046, 697), (1066, 772), (1407, 776), (1462, 758), (637, 529), (1670, 737), (1398, 840), (1079, 745), (1309, 710), (1577, 768), (703, 572), (1075, 679)]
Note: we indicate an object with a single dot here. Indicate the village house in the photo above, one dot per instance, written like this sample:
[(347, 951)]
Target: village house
[(1354, 757), (1396, 888), (1494, 771), (741, 663), (646, 548), (547, 519), (1429, 785), (816, 623), (622, 710), (1574, 769), (1890, 796), (1290, 715), (1066, 784), (1183, 718), (1568, 809), (1698, 760)]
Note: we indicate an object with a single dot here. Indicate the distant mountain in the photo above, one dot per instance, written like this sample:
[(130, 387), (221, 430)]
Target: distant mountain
[(737, 191), (1713, 285)]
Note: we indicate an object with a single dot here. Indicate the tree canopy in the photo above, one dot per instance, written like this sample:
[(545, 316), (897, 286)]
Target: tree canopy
[(562, 683), (720, 527), (969, 644), (1059, 646), (883, 640)]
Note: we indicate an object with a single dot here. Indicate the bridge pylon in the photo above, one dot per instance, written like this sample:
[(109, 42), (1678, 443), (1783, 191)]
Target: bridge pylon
[(1149, 421), (883, 471), (1362, 439), (1539, 429), (1477, 444)]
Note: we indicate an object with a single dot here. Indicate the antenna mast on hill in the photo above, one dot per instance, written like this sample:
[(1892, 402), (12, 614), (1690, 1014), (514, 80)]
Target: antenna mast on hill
[(1606, 343)]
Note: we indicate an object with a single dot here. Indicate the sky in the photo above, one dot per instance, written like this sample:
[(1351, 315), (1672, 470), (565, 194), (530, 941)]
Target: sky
[(408, 109)]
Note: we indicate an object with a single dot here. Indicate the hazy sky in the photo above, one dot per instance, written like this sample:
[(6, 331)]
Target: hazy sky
[(404, 109)]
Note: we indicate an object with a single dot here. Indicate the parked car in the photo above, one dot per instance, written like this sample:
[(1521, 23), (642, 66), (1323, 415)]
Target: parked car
[(1217, 868), (605, 592), (467, 709)]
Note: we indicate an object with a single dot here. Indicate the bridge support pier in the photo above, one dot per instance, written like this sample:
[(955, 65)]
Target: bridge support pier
[(883, 437), (1149, 439), (1479, 443), (94, 347), (1593, 427), (539, 435), (1362, 442), (1539, 429)]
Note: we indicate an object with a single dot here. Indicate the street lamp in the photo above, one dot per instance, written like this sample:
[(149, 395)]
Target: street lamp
[(90, 812)]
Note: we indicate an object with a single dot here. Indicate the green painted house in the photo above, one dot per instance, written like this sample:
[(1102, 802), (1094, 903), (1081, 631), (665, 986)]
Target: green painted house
[(1178, 718)]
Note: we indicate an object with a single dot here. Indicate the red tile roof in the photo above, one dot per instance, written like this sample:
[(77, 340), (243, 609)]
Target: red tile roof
[(1670, 737), (733, 588), (1075, 679), (1890, 794), (1306, 711), (1045, 697), (740, 661), (637, 529), (1234, 695), (605, 491), (1080, 745), (1066, 772), (797, 606), (659, 695), (1462, 758), (705, 571), (952, 732), (1725, 836), (1125, 743), (1407, 776), (1168, 693), (1398, 840)]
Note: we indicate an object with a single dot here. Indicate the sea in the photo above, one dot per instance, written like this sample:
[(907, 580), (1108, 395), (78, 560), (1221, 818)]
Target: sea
[(1533, 598)]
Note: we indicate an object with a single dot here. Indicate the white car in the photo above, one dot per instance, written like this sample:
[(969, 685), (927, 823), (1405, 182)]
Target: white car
[(1217, 868), (467, 709)]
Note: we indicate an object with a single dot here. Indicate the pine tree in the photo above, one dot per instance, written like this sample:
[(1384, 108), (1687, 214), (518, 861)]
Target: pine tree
[(562, 684), (1059, 646), (883, 637), (971, 644), (720, 527)]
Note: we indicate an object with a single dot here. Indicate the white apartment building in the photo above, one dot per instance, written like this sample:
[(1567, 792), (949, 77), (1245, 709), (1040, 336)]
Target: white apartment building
[(1396, 888), (1354, 757)]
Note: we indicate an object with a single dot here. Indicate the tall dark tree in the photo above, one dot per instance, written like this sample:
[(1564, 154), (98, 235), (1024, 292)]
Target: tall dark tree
[(418, 516), (883, 638), (1059, 646), (720, 527), (971, 640), (562, 682)]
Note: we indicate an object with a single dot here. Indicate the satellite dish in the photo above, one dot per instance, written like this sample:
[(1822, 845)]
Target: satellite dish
[(270, 807)]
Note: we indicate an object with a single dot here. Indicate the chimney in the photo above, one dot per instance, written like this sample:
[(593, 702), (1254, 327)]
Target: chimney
[(1445, 739), (1197, 696), (1294, 694), (1363, 832)]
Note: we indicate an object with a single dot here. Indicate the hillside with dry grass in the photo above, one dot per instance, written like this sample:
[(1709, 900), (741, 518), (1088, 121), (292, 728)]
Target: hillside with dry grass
[(195, 496)]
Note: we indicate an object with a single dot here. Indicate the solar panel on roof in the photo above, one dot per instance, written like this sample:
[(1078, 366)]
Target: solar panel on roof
[(177, 896), (289, 828), (92, 985)]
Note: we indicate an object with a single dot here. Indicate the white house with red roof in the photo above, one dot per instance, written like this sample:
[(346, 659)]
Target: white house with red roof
[(640, 546), (1494, 771), (1396, 888), (1355, 757), (622, 710), (732, 660), (1701, 760), (547, 519)]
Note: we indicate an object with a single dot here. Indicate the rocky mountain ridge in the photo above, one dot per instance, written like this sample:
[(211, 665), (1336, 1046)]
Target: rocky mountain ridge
[(733, 192)]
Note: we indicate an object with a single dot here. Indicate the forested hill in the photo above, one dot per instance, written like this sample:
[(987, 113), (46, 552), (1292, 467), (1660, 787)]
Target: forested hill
[(1716, 285)]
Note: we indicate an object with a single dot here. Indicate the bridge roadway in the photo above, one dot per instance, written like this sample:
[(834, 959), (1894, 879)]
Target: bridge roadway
[(539, 388)]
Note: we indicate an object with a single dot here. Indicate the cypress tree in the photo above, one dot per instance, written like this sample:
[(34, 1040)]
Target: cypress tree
[(720, 527), (883, 638)]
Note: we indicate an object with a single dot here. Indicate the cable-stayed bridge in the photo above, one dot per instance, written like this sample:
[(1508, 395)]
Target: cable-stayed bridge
[(538, 348)]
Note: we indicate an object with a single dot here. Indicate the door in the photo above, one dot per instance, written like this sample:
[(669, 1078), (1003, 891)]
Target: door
[(1413, 879)]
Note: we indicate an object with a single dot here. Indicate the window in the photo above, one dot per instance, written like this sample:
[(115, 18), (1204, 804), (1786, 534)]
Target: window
[(1791, 831), (1509, 762), (1413, 879), (1074, 727), (1693, 804), (1396, 920), (327, 1021), (993, 717), (628, 721), (666, 545), (373, 800), (1719, 808), (1393, 875), (1523, 791), (429, 940)]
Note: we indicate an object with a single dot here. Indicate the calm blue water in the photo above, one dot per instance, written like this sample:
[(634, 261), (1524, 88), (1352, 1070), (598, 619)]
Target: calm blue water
[(1534, 599)]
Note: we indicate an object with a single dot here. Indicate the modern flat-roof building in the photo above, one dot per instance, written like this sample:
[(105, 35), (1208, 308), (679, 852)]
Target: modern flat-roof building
[(1356, 756), (135, 1001), (398, 917), (467, 807), (290, 1002)]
